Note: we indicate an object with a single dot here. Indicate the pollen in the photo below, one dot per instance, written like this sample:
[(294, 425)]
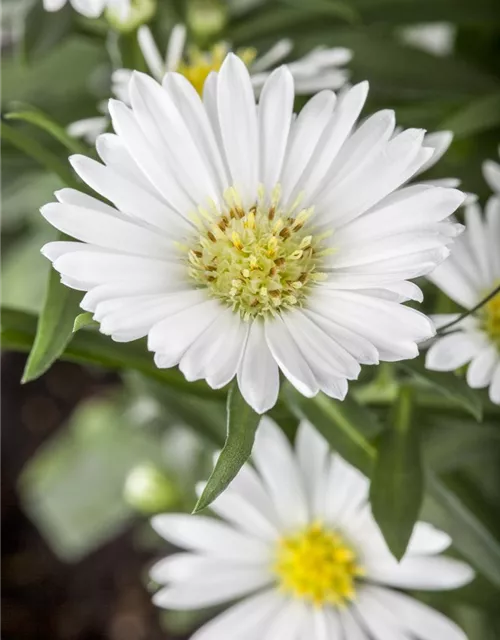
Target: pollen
[(491, 319), (317, 565), (198, 64), (259, 260)]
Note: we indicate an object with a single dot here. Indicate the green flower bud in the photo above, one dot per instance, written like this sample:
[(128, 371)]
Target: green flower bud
[(148, 490), (141, 12), (206, 19)]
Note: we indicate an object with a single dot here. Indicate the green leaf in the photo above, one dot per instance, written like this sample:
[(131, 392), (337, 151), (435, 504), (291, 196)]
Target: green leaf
[(448, 384), (40, 120), (344, 425), (44, 30), (55, 327), (396, 490), (474, 541), (39, 153), (477, 116), (242, 423), (84, 320)]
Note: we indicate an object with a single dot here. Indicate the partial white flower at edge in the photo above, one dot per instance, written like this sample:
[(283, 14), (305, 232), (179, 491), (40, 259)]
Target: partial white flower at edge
[(467, 276), (244, 242), (437, 38), (298, 546), (92, 8)]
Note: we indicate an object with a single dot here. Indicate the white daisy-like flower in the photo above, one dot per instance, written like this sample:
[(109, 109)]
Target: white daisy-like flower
[(297, 543), (491, 172), (467, 277), (319, 69), (243, 241), (92, 8)]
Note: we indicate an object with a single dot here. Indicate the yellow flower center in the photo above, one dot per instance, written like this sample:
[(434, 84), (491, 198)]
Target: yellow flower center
[(317, 565), (261, 260), (198, 64), (491, 319)]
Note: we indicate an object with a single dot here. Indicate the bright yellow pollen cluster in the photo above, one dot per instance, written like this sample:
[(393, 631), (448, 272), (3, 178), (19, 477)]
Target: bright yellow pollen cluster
[(258, 261), (491, 318), (318, 566), (199, 64)]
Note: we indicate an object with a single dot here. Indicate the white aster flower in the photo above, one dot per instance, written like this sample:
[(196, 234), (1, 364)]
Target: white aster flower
[(491, 172), (319, 69), (244, 241), (92, 8), (299, 545), (468, 276)]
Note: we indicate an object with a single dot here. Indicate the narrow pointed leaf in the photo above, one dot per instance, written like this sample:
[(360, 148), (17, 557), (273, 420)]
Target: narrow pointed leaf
[(34, 149), (396, 489), (340, 423), (55, 327), (42, 121), (448, 384), (242, 423)]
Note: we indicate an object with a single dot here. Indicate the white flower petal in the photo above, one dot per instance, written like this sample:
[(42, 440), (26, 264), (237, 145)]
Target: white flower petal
[(305, 133), (289, 358), (325, 624), (175, 47), (258, 375), (186, 325), (238, 123), (427, 540), (347, 492), (275, 116), (380, 623), (276, 463), (313, 458), (439, 141), (482, 367), (351, 627), (105, 231), (495, 385), (420, 620), (492, 211), (288, 622), (491, 171), (245, 620), (200, 533), (453, 351), (216, 587), (150, 51), (432, 573)]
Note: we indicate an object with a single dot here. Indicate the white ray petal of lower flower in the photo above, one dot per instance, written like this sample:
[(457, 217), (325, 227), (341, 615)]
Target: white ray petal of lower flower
[(453, 351), (427, 540), (427, 573), (419, 619)]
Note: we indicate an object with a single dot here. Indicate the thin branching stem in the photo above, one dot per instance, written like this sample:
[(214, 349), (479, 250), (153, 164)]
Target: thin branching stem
[(469, 312)]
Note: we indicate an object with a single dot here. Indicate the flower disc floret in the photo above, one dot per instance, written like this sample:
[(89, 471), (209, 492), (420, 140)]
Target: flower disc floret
[(491, 319), (317, 565), (261, 260)]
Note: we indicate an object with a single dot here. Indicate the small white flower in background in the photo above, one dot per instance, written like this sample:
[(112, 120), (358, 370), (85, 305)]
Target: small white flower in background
[(92, 8), (437, 38), (491, 172), (244, 241), (467, 276), (299, 545), (319, 69)]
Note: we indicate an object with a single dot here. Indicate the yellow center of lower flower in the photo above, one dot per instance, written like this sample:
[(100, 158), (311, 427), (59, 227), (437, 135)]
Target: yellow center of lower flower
[(198, 64), (261, 260), (317, 565), (491, 318)]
